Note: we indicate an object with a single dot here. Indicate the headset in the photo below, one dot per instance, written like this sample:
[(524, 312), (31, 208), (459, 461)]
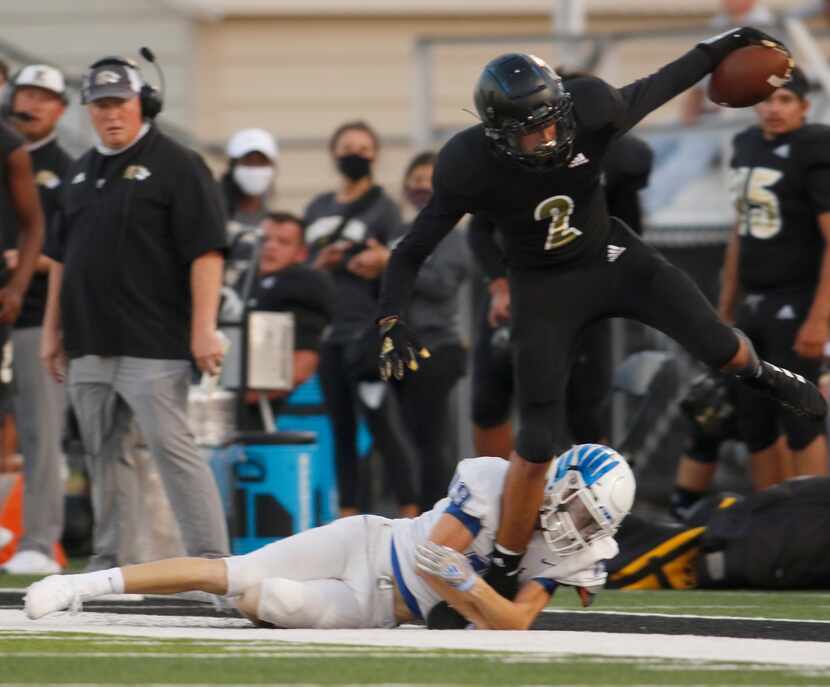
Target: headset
[(7, 99), (150, 98)]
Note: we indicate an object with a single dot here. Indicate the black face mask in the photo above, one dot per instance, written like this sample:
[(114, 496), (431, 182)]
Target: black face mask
[(354, 166)]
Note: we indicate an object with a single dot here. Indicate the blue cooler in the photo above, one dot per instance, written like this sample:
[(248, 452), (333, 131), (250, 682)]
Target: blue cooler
[(273, 493)]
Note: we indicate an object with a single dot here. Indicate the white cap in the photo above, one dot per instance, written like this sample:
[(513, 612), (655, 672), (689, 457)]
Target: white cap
[(247, 141), (42, 76)]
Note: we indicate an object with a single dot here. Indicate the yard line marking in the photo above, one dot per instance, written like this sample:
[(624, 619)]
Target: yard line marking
[(686, 615)]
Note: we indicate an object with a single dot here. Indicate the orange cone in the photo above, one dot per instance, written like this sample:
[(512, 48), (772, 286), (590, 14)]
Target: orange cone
[(11, 519)]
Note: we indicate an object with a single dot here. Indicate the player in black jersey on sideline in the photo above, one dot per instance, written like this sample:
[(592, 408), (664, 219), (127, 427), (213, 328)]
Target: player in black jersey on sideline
[(533, 165), (779, 259)]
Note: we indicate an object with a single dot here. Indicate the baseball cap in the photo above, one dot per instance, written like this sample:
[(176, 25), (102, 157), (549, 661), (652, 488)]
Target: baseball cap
[(798, 83), (42, 76), (252, 140), (111, 80)]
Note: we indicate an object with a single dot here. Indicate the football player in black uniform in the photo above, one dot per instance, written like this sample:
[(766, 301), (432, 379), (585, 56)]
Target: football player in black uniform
[(533, 165), (779, 258)]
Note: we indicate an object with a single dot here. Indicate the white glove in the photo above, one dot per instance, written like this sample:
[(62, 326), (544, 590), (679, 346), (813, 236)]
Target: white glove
[(446, 564)]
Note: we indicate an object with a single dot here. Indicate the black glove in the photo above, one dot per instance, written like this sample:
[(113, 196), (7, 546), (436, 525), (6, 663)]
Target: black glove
[(398, 348), (503, 573), (718, 47)]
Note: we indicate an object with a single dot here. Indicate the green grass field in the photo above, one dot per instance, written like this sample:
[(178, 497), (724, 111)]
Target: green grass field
[(84, 658)]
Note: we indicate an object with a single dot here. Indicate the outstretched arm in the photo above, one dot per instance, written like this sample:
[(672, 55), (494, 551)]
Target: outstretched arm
[(645, 95), (449, 573)]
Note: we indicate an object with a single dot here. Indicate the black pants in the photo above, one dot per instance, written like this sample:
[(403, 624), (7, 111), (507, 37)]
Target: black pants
[(587, 390), (551, 308), (343, 403), (772, 321), (425, 404)]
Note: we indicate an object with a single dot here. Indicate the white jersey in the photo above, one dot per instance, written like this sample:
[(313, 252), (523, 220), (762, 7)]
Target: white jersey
[(475, 499)]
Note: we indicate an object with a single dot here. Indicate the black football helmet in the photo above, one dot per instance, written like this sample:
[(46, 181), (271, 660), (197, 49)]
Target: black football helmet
[(518, 93)]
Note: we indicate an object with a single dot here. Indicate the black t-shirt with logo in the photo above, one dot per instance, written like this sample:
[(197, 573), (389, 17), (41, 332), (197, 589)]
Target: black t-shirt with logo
[(10, 141), (301, 290), (49, 163), (548, 218), (129, 227), (780, 186), (356, 298)]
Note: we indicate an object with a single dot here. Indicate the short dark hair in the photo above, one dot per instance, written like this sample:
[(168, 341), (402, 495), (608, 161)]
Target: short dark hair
[(354, 125), (425, 157), (282, 217)]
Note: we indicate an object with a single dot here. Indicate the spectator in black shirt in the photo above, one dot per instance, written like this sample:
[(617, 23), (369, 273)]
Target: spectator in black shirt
[(38, 96), (285, 284), (138, 249)]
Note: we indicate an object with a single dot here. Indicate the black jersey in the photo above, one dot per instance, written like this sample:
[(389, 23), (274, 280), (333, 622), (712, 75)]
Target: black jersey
[(307, 293), (548, 218), (780, 186)]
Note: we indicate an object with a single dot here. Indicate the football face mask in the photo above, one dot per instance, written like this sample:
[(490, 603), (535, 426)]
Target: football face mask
[(589, 492)]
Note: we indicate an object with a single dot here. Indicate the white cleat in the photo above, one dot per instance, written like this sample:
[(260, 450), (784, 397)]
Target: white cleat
[(30, 563), (53, 593)]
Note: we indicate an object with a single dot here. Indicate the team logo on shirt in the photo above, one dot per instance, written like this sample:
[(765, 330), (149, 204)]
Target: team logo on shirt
[(558, 209), (47, 178), (137, 172), (79, 178)]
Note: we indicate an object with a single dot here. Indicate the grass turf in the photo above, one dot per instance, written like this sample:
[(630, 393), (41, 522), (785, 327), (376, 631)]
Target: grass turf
[(92, 659)]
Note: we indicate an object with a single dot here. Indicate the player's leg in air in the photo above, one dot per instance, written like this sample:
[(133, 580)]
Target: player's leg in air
[(320, 578)]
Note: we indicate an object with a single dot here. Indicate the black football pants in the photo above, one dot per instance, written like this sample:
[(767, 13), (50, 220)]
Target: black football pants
[(550, 307)]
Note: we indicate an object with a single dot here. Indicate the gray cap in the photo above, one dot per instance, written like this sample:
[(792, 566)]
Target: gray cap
[(110, 80)]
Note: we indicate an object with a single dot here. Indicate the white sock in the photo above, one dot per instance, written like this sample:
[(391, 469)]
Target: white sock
[(505, 550), (100, 582)]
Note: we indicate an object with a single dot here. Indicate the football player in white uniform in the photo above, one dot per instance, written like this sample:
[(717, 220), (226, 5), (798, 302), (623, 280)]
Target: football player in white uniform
[(368, 571)]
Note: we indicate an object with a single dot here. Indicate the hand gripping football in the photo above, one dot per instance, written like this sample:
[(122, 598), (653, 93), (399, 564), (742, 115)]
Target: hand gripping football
[(750, 75)]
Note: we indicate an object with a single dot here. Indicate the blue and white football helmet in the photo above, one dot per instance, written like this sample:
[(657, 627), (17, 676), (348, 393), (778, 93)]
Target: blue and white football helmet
[(590, 490)]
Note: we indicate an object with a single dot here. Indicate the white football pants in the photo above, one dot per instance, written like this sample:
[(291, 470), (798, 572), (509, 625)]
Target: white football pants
[(336, 576)]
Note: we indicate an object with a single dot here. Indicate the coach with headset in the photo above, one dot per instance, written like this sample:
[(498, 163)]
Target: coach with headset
[(134, 294)]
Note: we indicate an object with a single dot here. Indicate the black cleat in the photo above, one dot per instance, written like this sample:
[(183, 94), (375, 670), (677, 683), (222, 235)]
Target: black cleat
[(791, 390)]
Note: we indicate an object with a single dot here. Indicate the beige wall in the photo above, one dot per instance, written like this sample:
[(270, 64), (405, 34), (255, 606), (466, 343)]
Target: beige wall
[(301, 76)]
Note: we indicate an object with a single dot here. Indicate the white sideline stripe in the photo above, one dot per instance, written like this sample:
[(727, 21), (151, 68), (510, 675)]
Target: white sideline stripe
[(689, 647), (686, 615)]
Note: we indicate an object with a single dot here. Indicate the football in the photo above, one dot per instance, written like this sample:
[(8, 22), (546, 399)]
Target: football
[(749, 75)]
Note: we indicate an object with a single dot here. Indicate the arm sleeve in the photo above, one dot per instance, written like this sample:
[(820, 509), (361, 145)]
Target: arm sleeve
[(433, 223), (481, 237), (440, 277), (198, 220), (645, 95)]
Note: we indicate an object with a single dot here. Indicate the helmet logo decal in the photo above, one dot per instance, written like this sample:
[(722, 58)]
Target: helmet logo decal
[(557, 209)]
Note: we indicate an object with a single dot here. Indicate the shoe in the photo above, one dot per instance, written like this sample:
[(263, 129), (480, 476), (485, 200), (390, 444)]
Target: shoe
[(53, 593), (791, 390), (30, 563), (5, 537)]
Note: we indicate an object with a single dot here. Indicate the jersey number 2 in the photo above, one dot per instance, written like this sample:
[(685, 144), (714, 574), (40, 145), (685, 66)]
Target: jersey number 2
[(759, 212), (558, 210)]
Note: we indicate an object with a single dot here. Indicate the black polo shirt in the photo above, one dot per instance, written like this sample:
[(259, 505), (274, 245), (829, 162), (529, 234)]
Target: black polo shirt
[(49, 163), (129, 227)]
